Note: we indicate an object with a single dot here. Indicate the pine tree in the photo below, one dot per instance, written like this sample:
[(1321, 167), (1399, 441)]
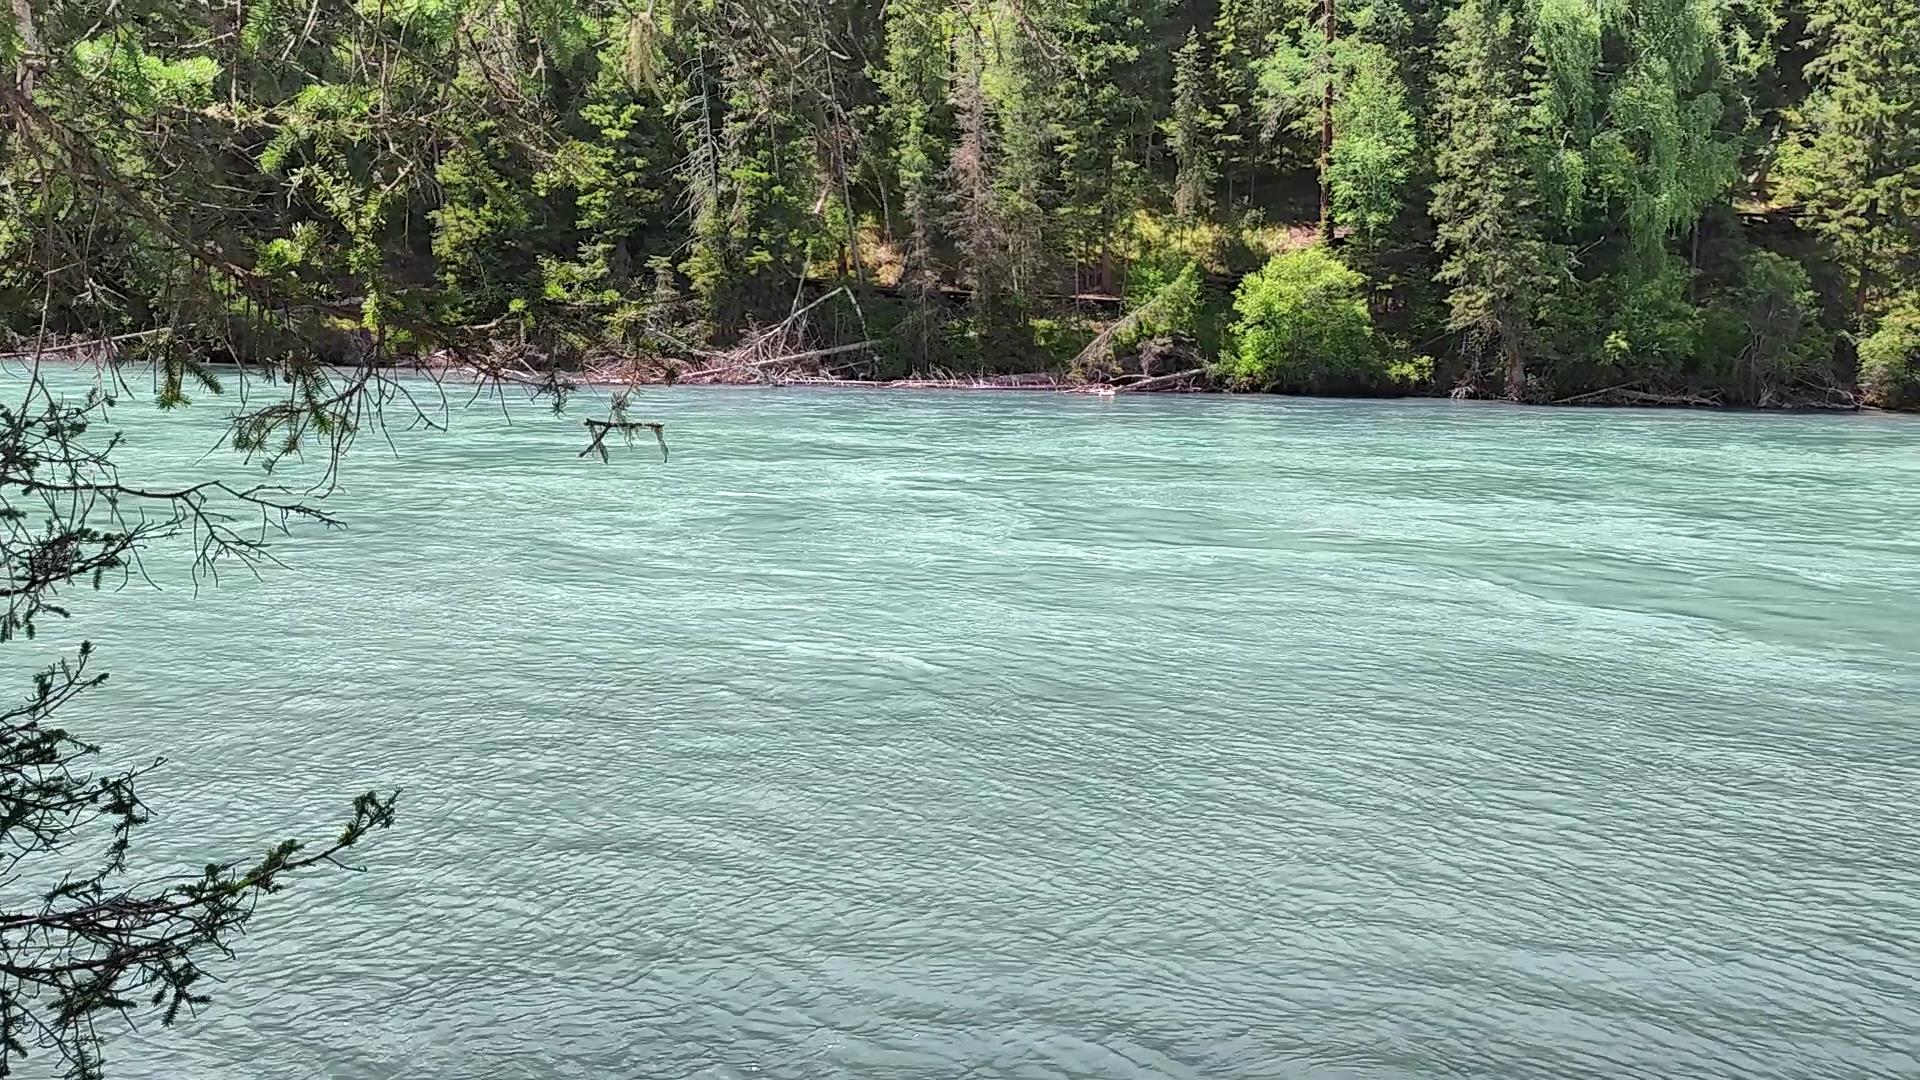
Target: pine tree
[(1189, 133), (1238, 40), (975, 219), (913, 84), (1499, 263)]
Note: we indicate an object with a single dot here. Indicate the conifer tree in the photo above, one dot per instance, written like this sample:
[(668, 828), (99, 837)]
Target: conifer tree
[(1499, 264), (1189, 132)]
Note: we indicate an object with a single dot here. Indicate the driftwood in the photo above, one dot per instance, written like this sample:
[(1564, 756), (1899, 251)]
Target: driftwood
[(781, 345), (1629, 393), (1644, 398), (1591, 394), (789, 358), (1159, 381), (997, 382), (981, 382)]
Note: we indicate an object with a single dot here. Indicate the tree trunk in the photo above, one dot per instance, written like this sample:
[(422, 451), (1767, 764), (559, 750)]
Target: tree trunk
[(1516, 372), (1326, 127), (1693, 264), (30, 56)]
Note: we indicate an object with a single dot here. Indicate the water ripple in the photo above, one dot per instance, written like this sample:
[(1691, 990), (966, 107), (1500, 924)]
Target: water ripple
[(969, 736)]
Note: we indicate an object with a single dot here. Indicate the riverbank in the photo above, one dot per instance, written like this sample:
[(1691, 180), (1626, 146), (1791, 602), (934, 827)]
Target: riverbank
[(514, 367), (1192, 381)]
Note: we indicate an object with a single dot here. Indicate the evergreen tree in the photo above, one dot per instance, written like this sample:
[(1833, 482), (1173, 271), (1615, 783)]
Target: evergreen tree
[(1500, 265), (1239, 40), (1189, 132), (913, 84), (1342, 93)]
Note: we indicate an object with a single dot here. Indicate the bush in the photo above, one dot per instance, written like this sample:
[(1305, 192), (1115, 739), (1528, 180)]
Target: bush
[(1650, 325), (1636, 323), (1784, 341), (1890, 359), (1303, 325)]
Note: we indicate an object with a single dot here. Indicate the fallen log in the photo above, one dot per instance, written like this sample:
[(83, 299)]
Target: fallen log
[(1629, 392), (1158, 381), (1591, 394), (992, 382), (1645, 398)]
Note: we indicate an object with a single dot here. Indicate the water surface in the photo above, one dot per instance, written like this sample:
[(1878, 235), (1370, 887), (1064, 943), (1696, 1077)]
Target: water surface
[(945, 736)]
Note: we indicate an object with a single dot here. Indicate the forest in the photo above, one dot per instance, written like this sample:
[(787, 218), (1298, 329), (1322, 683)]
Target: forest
[(1709, 202)]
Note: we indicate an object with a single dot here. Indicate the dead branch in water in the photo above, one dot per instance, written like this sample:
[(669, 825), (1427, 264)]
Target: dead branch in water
[(1591, 394), (1630, 394), (992, 382), (600, 429), (1642, 397)]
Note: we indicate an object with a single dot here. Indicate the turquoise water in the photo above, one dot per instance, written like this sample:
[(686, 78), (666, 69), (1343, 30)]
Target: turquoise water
[(944, 736)]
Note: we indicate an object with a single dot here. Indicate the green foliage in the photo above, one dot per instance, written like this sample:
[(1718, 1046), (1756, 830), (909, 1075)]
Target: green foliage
[(1853, 163), (147, 82), (1784, 342), (1289, 83), (1373, 142), (1060, 340), (1890, 358), (1168, 299), (915, 109), (1500, 263), (1669, 140), (480, 231), (1651, 328), (1189, 132), (1411, 372), (1374, 133), (1303, 324)]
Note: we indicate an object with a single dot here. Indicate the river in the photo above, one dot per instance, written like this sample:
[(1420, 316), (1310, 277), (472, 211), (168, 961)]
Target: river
[(995, 735)]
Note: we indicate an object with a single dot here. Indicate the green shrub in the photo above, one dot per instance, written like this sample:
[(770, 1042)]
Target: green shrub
[(1650, 325), (1784, 340), (1890, 359), (1060, 340), (1411, 372), (1632, 323), (1303, 325)]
